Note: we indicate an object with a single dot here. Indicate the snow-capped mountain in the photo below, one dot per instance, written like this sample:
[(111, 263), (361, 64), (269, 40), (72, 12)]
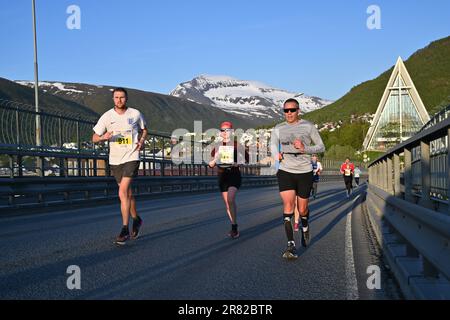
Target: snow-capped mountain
[(244, 98), (163, 112)]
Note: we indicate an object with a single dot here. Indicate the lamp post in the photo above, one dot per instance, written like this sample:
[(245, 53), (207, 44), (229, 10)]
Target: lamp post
[(36, 80), (39, 160)]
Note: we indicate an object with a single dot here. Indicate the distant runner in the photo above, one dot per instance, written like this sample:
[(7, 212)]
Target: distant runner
[(317, 170), (125, 129), (357, 175), (347, 170), (299, 138), (228, 155)]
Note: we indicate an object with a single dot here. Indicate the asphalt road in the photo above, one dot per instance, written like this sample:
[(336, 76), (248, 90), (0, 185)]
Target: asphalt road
[(184, 251)]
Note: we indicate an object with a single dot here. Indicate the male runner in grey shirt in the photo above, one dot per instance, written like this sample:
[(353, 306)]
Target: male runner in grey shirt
[(298, 140)]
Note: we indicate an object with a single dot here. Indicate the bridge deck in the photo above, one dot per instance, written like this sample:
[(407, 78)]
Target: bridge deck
[(184, 253)]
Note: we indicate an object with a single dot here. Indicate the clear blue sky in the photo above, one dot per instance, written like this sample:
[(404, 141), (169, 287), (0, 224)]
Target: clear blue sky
[(321, 48)]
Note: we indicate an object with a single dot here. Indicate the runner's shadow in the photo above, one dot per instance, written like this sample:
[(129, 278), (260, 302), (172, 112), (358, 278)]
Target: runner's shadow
[(330, 226), (203, 223), (115, 288)]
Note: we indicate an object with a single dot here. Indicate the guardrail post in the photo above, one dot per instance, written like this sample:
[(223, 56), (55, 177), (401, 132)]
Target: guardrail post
[(40, 165), (381, 174), (384, 174), (375, 174), (407, 175), (397, 190), (390, 187), (426, 174), (11, 166), (62, 171), (410, 250), (378, 174), (448, 170), (429, 270), (374, 177), (380, 169)]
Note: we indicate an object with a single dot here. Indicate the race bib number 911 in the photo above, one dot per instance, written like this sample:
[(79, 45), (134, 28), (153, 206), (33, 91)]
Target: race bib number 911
[(124, 139)]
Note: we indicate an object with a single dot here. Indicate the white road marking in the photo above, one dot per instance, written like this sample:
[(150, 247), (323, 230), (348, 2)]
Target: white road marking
[(350, 273)]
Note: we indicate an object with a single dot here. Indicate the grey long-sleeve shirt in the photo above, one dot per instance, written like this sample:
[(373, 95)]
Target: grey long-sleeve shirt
[(285, 134)]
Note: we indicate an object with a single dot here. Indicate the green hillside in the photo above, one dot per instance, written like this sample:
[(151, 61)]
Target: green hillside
[(49, 103), (429, 69)]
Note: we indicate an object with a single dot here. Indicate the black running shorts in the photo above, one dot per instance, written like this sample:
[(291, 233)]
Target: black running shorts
[(229, 178), (127, 169), (300, 182)]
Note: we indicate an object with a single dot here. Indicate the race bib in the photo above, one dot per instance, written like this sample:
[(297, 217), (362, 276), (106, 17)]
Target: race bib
[(347, 172), (226, 155), (123, 139)]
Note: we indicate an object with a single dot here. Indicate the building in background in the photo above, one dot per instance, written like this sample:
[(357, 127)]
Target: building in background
[(400, 114)]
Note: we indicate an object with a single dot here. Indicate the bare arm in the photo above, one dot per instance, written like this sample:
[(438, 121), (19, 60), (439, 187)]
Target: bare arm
[(140, 143), (105, 137)]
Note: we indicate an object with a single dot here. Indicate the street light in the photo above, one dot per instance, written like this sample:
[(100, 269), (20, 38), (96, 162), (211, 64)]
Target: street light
[(36, 79)]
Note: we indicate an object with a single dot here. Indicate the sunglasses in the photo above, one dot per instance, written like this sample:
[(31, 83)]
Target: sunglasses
[(226, 130), (290, 110)]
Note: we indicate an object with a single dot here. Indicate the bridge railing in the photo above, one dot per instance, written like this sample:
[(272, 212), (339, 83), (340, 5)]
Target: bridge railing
[(417, 169), (408, 203), (67, 149)]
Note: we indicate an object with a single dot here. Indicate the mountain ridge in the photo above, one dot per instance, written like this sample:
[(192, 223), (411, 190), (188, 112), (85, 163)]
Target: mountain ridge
[(243, 97)]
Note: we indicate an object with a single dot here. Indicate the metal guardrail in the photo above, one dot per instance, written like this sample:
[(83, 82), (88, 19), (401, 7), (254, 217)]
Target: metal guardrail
[(417, 170), (438, 117), (409, 190), (67, 149), (38, 192), (415, 241), (45, 192)]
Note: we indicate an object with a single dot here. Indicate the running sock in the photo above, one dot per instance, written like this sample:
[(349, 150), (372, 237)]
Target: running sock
[(234, 227), (288, 226), (305, 221), (136, 219)]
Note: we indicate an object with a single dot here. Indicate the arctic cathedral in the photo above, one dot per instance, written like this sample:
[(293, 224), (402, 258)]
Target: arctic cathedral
[(400, 114)]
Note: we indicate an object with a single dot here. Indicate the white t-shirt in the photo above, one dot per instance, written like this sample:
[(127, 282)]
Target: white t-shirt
[(357, 173), (125, 128), (319, 168)]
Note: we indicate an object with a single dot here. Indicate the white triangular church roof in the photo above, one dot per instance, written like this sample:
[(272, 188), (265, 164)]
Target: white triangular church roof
[(399, 69)]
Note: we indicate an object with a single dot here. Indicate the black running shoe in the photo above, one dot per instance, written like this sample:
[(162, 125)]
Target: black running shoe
[(137, 224), (234, 234), (123, 236), (305, 237), (291, 252)]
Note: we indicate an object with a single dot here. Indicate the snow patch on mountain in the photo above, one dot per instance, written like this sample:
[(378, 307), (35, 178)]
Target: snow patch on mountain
[(58, 85), (248, 98)]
